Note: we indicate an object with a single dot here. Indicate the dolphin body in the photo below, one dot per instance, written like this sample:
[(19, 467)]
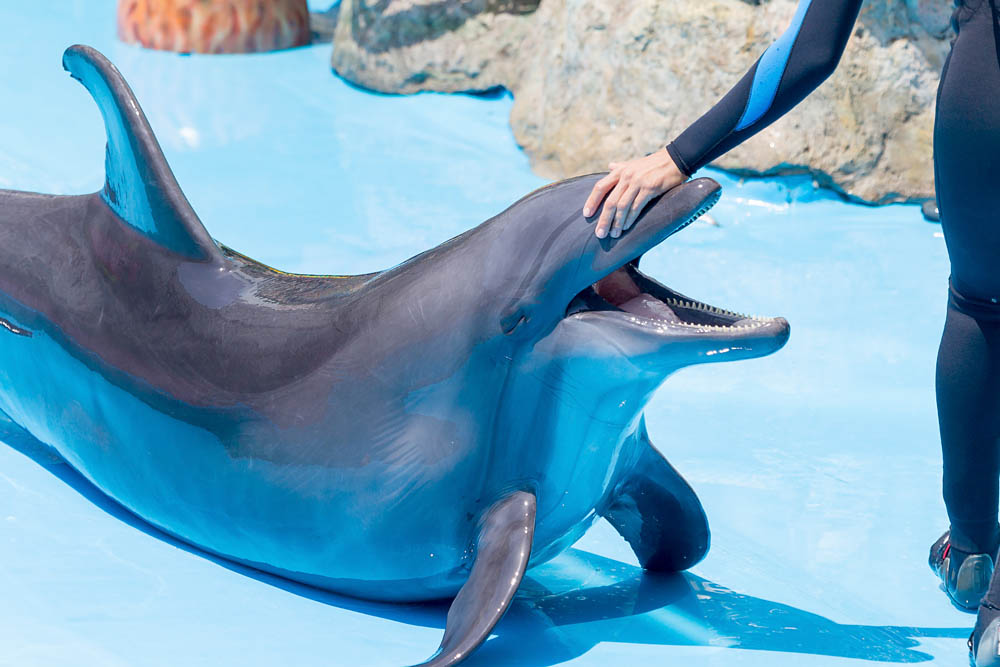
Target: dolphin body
[(428, 431)]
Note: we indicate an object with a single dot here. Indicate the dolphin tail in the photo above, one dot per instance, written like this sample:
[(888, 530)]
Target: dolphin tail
[(502, 551), (139, 186), (658, 513)]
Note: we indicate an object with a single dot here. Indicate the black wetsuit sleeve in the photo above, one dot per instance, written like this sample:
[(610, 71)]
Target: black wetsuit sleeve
[(791, 68)]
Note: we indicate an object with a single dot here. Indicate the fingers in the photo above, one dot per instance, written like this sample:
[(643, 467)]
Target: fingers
[(627, 189), (610, 209), (638, 204), (623, 209), (600, 189), (617, 203)]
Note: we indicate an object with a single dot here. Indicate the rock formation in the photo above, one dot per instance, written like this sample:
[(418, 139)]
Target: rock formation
[(595, 80)]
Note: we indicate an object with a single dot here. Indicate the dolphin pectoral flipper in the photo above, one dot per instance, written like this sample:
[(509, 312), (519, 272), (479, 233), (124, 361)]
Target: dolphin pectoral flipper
[(658, 513), (502, 551), (139, 185)]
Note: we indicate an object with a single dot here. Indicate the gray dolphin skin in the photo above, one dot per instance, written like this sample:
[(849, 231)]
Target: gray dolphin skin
[(430, 431)]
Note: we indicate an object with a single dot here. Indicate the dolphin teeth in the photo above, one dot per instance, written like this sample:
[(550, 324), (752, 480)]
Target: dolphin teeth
[(750, 321), (700, 212)]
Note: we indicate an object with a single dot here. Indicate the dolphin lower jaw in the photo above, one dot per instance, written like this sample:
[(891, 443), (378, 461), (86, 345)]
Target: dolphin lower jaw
[(630, 303)]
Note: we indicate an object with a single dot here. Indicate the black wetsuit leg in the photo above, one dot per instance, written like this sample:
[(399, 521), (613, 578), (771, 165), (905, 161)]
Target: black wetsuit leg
[(967, 174), (968, 393)]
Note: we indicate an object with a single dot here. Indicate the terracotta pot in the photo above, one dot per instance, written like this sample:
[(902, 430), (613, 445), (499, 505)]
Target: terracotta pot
[(214, 26)]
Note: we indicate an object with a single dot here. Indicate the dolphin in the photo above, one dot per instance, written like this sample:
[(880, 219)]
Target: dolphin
[(425, 432)]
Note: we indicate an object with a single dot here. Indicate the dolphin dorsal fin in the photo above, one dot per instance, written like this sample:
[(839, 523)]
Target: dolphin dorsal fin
[(139, 185)]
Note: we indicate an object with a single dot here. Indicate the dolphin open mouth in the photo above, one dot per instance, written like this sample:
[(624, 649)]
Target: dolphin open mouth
[(630, 295), (623, 298)]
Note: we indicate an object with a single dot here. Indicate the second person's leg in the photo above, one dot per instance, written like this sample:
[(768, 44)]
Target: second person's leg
[(967, 168)]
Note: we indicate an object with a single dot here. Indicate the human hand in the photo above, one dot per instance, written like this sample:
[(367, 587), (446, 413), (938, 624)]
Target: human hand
[(631, 185)]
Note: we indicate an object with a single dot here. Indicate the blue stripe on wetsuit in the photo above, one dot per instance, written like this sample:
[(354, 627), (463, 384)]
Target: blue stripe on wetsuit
[(770, 69), (799, 61)]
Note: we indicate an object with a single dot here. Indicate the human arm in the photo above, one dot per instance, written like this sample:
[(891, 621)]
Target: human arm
[(791, 68)]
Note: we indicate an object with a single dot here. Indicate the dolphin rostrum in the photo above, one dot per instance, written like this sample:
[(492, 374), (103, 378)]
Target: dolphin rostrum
[(429, 431)]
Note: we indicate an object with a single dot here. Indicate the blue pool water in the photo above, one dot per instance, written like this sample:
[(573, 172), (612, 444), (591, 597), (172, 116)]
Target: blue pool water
[(818, 467)]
